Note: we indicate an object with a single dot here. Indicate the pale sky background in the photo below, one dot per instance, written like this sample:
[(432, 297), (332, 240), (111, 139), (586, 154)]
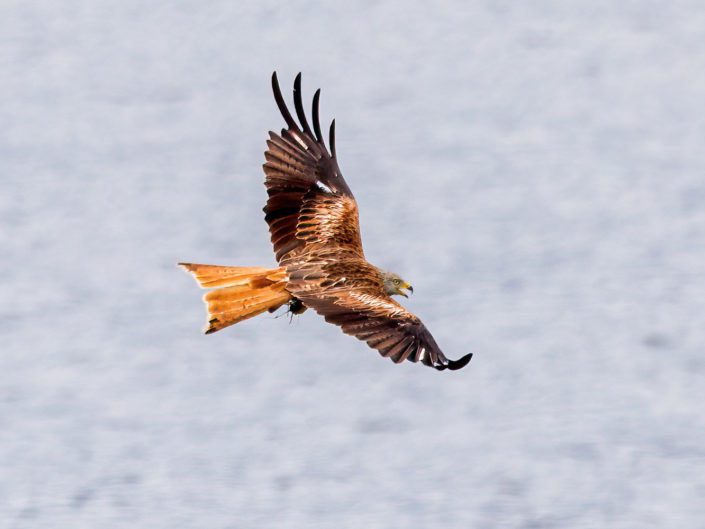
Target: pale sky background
[(535, 170)]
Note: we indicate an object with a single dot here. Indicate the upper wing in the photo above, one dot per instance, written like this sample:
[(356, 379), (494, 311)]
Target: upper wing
[(314, 227), (354, 302), (309, 201)]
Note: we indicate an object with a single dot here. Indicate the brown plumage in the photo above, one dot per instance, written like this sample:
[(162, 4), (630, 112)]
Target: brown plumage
[(314, 228)]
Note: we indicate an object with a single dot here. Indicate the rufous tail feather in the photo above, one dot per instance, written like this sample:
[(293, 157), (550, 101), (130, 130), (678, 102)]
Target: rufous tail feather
[(243, 292)]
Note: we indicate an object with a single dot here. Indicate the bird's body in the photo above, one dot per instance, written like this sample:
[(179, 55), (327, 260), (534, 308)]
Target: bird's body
[(314, 228)]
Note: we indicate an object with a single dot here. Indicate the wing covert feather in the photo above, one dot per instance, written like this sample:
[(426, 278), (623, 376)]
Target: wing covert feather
[(356, 303), (299, 168)]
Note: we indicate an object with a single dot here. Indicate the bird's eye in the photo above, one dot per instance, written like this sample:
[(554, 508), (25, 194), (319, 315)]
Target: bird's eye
[(396, 281)]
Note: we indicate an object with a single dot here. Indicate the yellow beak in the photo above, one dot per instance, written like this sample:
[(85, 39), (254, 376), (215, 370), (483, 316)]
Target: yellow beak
[(405, 286)]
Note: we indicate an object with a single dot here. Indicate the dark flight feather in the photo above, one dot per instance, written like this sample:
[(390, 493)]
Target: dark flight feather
[(314, 227)]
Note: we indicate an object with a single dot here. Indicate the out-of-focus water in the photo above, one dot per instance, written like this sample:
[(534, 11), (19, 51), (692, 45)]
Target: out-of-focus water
[(536, 171)]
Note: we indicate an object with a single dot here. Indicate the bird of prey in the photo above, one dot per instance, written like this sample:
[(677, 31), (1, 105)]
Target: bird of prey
[(314, 228)]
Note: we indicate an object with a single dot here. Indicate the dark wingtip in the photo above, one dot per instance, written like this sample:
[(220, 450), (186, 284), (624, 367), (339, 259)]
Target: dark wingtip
[(316, 122), (454, 365), (298, 105), (332, 138), (281, 104), (275, 82)]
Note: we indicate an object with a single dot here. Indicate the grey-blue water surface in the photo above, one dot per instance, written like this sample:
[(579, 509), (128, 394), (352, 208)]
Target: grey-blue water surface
[(536, 170)]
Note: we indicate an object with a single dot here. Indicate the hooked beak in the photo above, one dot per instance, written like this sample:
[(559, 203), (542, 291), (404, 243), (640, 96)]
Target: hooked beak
[(408, 287)]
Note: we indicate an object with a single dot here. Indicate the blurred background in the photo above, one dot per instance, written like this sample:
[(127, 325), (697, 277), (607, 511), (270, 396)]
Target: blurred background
[(536, 171)]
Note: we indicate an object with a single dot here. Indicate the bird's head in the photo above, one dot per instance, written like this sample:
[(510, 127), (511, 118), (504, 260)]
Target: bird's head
[(393, 284)]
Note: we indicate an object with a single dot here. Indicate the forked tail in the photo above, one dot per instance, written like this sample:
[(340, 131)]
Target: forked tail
[(243, 292)]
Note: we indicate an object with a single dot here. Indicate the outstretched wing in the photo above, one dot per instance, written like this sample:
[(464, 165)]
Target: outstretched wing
[(315, 231), (309, 201), (348, 295)]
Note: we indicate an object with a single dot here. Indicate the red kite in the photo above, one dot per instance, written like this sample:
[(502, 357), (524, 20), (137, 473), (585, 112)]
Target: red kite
[(314, 227)]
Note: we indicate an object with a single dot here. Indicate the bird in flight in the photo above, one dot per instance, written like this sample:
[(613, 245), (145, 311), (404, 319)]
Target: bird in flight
[(315, 231)]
